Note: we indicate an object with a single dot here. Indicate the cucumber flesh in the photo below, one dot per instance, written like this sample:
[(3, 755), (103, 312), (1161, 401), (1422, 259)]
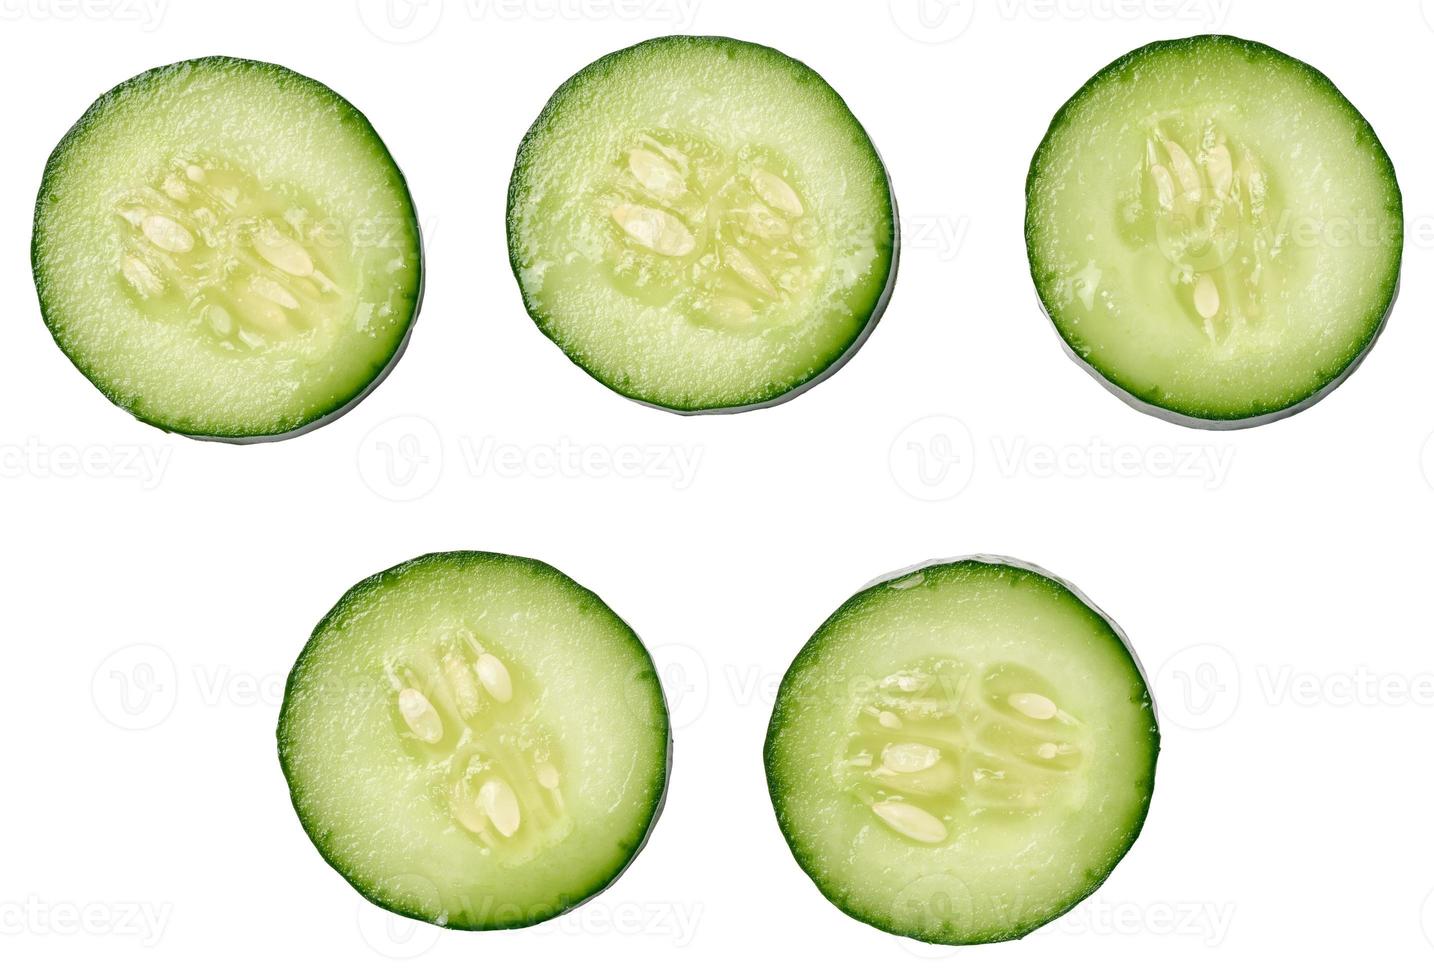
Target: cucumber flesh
[(1214, 230), (701, 224), (475, 740), (226, 249), (962, 752)]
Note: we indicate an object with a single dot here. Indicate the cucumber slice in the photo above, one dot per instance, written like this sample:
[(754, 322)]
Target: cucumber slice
[(1214, 231), (226, 249), (702, 225), (475, 740), (962, 752)]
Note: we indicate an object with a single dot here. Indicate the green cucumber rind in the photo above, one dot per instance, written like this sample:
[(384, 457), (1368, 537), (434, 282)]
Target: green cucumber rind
[(839, 356), (1171, 410), (647, 670), (812, 648), (238, 436)]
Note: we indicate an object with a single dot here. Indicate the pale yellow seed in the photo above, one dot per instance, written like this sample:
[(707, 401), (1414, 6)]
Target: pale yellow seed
[(1036, 706), (273, 292), (1207, 296), (141, 276), (776, 192), (167, 233), (1184, 168), (499, 803), (654, 228), (496, 680), (462, 682), (467, 812), (419, 716), (1164, 187), (656, 174), (738, 262), (259, 311), (911, 821), (733, 308), (284, 253)]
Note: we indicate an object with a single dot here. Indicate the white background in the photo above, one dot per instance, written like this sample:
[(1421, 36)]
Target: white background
[(1275, 581)]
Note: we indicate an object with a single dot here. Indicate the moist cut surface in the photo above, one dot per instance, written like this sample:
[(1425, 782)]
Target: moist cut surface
[(226, 249), (701, 224), (1214, 230), (475, 740), (962, 752)]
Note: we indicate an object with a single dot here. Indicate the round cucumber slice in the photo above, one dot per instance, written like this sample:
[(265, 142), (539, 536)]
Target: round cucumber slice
[(962, 752), (226, 250), (702, 225), (1214, 230), (475, 740)]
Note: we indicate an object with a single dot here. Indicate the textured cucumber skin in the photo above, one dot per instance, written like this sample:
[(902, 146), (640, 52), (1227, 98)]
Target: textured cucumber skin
[(376, 583), (286, 75), (833, 364), (812, 648), (1175, 411)]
